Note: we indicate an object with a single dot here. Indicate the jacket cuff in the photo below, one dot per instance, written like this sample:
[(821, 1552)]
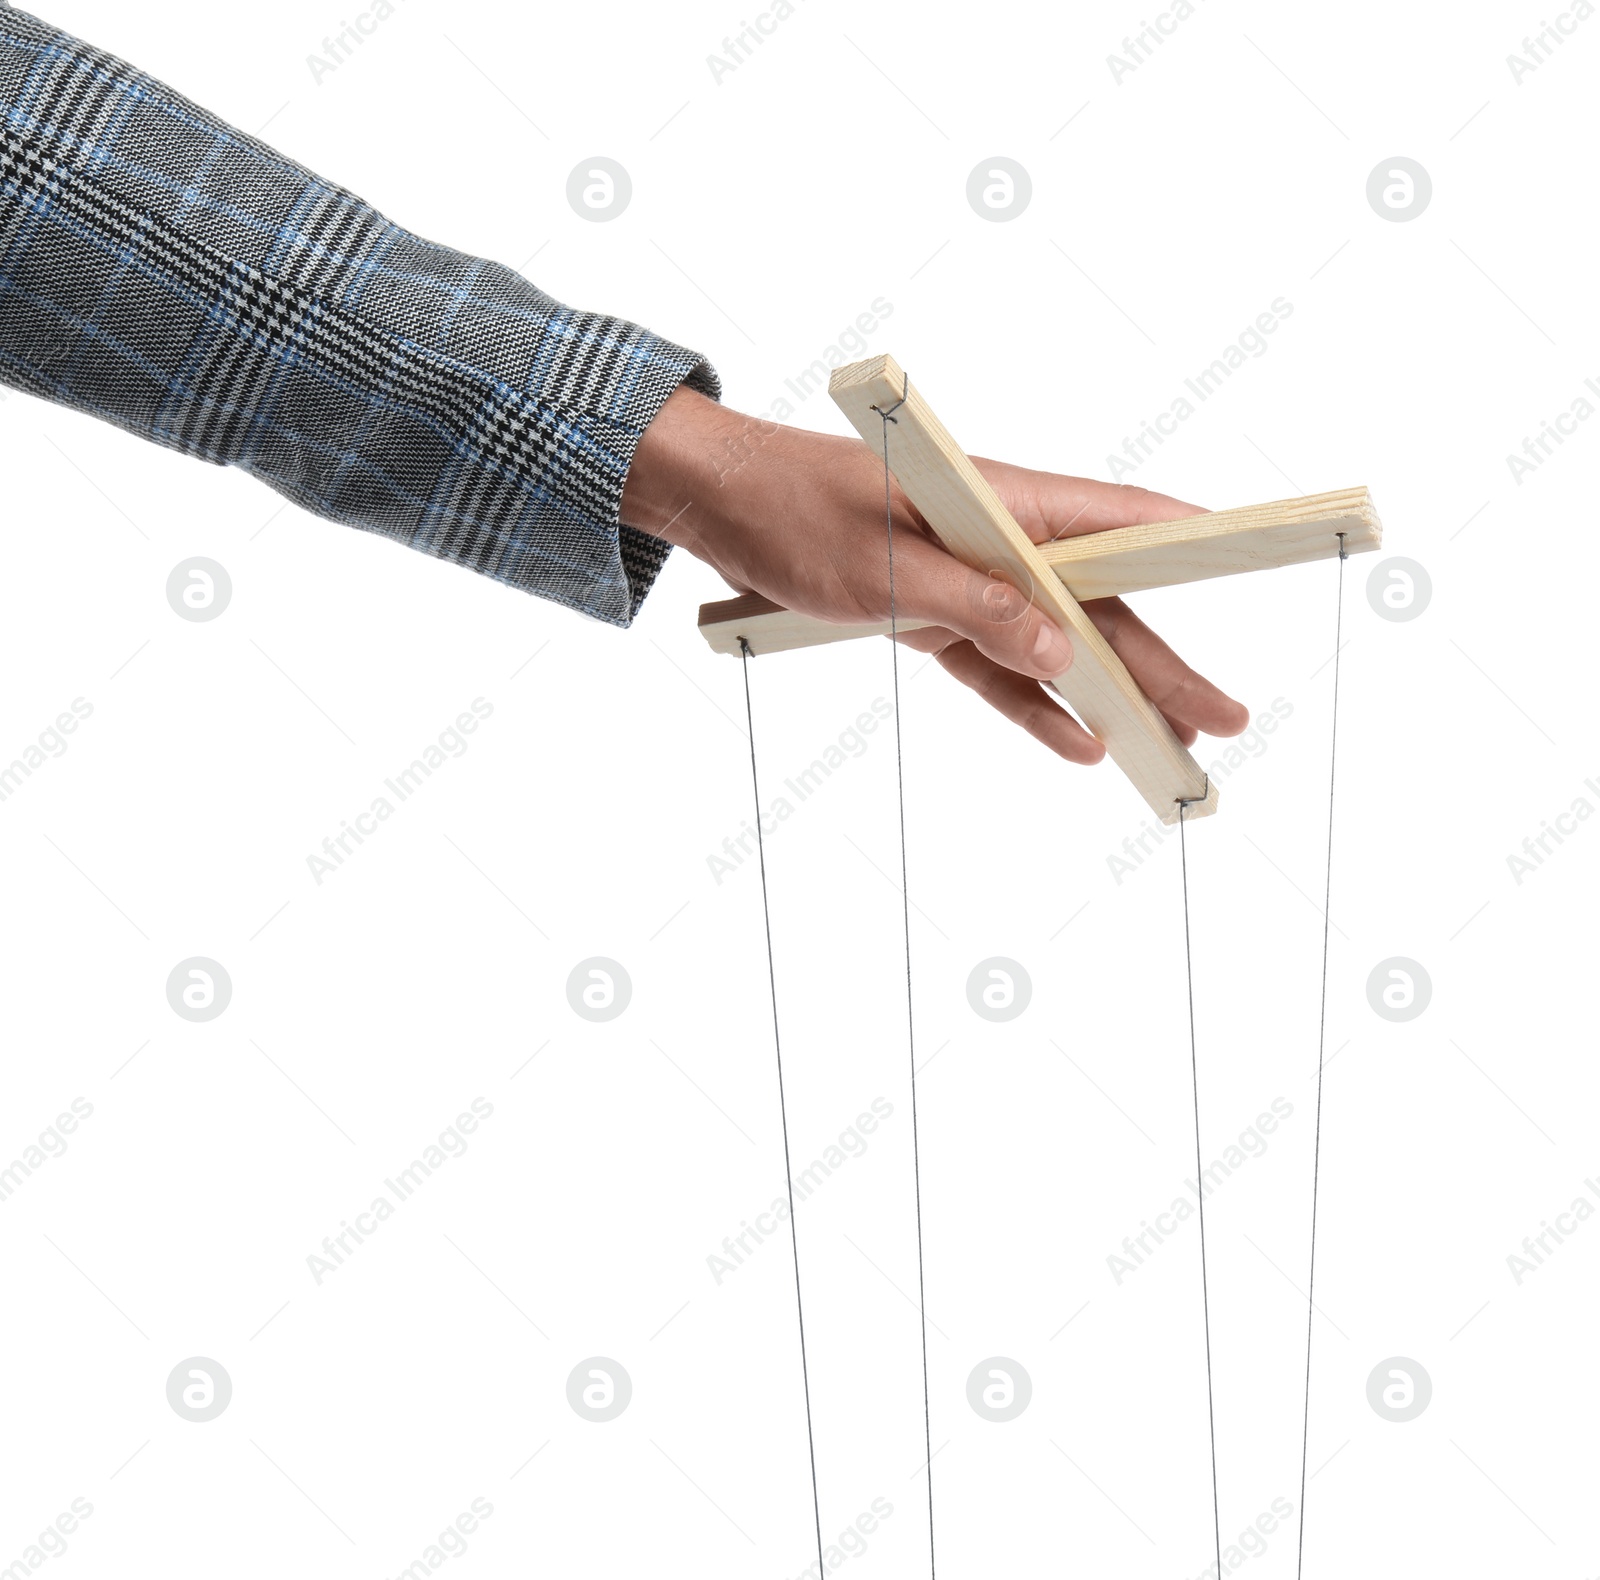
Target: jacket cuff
[(583, 554)]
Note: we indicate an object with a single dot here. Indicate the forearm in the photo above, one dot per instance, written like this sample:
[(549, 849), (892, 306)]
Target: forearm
[(173, 275)]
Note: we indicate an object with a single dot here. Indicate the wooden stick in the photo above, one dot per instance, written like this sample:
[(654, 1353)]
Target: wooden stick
[(972, 523), (1108, 564)]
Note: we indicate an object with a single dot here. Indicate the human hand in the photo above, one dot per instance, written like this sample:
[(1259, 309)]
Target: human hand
[(799, 518)]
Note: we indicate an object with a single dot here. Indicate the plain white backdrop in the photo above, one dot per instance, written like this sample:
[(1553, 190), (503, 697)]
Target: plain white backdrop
[(772, 203)]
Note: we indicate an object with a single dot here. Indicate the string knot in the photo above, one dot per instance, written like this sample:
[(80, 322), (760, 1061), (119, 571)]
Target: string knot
[(888, 413), (1194, 800)]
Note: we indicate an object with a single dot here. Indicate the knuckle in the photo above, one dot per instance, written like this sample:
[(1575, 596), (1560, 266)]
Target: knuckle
[(1038, 716), (1137, 497), (990, 685), (1108, 615), (1176, 693), (996, 603)]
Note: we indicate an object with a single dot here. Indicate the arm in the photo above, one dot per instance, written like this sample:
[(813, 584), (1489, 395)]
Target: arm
[(168, 273), (178, 277)]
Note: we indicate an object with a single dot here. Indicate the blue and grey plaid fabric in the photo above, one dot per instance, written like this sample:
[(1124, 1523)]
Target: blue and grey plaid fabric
[(175, 276)]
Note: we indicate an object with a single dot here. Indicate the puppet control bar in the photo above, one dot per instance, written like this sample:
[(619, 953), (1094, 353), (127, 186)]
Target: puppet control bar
[(972, 523)]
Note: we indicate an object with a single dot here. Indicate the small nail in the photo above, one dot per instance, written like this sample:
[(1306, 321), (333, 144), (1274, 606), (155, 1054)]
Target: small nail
[(1052, 650)]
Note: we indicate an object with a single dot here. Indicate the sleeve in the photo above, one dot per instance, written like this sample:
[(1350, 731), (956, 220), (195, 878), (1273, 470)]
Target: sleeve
[(179, 278)]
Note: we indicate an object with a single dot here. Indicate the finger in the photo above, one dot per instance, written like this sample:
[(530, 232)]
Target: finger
[(1048, 506), (933, 639), (1178, 691), (1021, 700), (929, 639), (1186, 733), (999, 620)]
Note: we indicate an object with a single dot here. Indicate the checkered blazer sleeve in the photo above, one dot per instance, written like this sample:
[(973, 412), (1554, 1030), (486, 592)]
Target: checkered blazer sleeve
[(171, 274)]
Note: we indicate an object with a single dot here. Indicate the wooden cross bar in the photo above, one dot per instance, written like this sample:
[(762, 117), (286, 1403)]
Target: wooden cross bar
[(971, 522)]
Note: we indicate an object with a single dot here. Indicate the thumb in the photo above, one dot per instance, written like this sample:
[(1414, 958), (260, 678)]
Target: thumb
[(1000, 620)]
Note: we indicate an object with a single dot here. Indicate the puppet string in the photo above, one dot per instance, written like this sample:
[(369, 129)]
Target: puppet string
[(1199, 1165), (783, 1107), (887, 414), (1322, 1043)]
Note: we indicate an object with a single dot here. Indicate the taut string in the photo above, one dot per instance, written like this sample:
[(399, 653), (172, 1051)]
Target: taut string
[(1199, 1174), (1322, 1043), (783, 1107), (887, 414)]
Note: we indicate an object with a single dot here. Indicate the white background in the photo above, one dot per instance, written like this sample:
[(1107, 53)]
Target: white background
[(769, 210)]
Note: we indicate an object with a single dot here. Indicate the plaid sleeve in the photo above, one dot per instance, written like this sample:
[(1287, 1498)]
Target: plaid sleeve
[(173, 275)]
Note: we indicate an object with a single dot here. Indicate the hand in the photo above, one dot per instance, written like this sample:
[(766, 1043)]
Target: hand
[(799, 518)]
